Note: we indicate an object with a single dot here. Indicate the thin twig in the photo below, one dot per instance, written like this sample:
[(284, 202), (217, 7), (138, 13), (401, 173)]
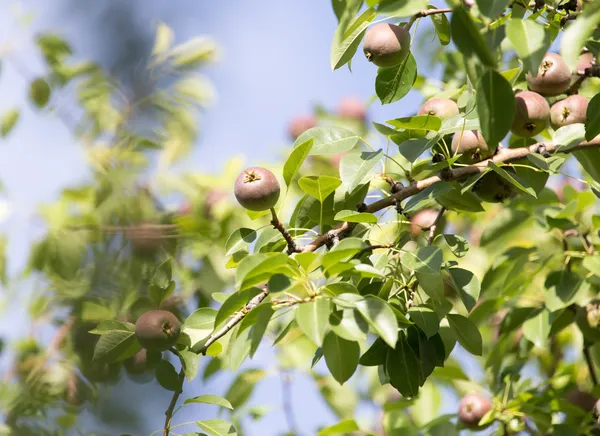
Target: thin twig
[(176, 394), (504, 155), (590, 364), (277, 224), (234, 320), (425, 13)]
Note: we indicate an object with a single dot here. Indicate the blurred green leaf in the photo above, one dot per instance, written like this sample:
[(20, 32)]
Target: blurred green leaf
[(341, 356), (313, 319), (466, 333), (392, 84)]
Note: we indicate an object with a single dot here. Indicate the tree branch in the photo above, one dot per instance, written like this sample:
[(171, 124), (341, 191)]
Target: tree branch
[(291, 244), (176, 394), (425, 13), (504, 155), (590, 364), (235, 320)]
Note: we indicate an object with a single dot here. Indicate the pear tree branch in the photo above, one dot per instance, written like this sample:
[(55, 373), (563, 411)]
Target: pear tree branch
[(233, 321), (502, 156), (277, 224)]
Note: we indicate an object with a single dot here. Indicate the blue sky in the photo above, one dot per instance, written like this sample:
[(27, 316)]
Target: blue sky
[(274, 65)]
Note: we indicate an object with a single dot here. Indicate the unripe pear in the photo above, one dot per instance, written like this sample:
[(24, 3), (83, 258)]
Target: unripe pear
[(257, 189), (492, 188), (531, 114), (439, 107), (386, 45), (351, 107), (473, 407), (472, 146), (422, 220), (586, 60), (553, 76), (301, 124), (157, 330), (571, 110)]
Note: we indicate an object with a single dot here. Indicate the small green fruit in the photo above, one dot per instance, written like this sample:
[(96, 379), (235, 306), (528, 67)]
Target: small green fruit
[(492, 188), (471, 145), (471, 408), (386, 45), (257, 189), (553, 77), (157, 330), (571, 110), (439, 107), (531, 114)]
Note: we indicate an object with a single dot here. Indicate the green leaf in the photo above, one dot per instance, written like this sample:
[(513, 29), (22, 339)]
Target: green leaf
[(217, 427), (380, 316), (163, 274), (391, 84), (427, 260), (590, 161), (417, 122), (513, 179), (348, 324), (239, 239), (537, 329), (319, 187), (466, 333), (313, 319), (401, 8), (39, 92), (530, 40), (201, 319), (458, 245), (191, 362), (328, 140), (116, 346), (592, 122), (347, 38), (260, 327), (258, 268), (442, 27), (562, 288), (467, 285), (404, 369), (110, 326), (569, 136), (343, 427), (234, 303), (296, 159), (341, 356), (426, 318), (210, 399), (495, 106), (375, 355), (242, 387), (467, 37), (8, 121), (356, 168), (492, 8), (352, 216), (167, 376), (579, 32), (157, 294)]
